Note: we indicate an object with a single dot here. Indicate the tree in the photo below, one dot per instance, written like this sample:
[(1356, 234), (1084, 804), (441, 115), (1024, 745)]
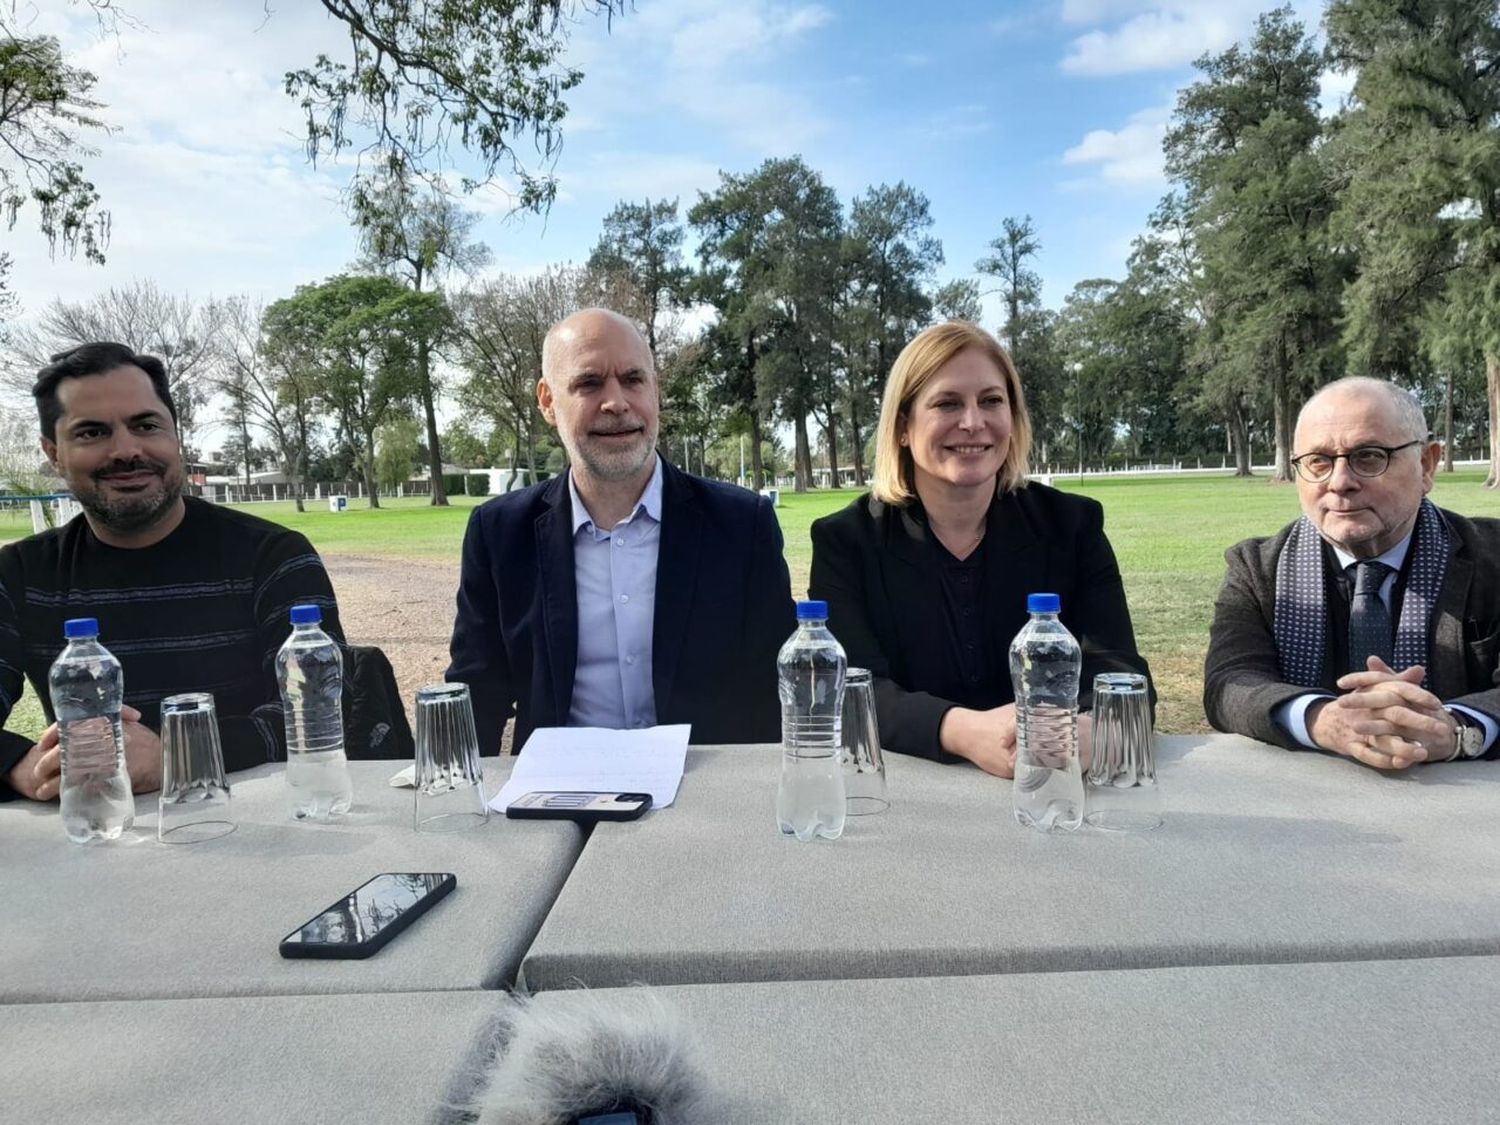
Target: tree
[(1423, 195), (418, 239), (24, 470), (1245, 142), (180, 330), (483, 71), (769, 242), (463, 447), (642, 243), (1020, 285), (9, 306), (957, 300), (357, 337), (398, 450), (261, 370), (500, 329), (45, 110), (892, 256)]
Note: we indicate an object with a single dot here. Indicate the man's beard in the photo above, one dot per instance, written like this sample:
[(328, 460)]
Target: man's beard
[(128, 514), (604, 463)]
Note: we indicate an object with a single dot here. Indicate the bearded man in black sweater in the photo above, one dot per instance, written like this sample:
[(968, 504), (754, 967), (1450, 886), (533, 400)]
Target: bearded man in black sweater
[(189, 596)]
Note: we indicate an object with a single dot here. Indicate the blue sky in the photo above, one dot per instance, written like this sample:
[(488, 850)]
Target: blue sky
[(1053, 108)]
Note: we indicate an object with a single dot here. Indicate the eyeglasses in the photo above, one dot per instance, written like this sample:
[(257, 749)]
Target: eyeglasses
[(1366, 461)]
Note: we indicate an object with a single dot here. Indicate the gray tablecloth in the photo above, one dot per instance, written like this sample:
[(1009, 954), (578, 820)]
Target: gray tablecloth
[(138, 919), (306, 1059), (1265, 856), (1364, 1042)]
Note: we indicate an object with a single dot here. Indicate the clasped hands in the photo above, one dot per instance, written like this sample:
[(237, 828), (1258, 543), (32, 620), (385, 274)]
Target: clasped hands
[(1385, 719), (39, 774)]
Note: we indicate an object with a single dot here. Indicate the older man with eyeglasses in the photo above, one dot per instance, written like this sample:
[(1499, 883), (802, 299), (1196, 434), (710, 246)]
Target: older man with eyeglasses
[(1370, 627)]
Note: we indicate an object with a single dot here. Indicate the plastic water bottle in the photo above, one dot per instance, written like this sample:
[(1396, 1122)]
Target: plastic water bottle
[(310, 670), (1045, 662), (87, 687), (811, 667)]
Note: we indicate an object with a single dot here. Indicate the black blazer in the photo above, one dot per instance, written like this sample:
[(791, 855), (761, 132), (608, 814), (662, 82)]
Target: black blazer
[(723, 610), (1242, 681), (881, 574)]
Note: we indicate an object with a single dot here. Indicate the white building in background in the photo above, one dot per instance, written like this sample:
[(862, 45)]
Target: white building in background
[(504, 480)]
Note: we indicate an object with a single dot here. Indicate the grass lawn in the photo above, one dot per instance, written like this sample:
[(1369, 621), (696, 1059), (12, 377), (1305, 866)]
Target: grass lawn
[(1170, 534)]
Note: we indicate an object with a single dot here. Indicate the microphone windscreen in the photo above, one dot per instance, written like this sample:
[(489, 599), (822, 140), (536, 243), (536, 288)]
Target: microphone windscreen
[(589, 1051)]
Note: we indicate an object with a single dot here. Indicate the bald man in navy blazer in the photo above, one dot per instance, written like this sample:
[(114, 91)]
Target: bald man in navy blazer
[(625, 592)]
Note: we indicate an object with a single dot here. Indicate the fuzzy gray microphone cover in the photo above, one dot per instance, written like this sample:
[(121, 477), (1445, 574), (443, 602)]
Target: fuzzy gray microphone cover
[(584, 1051)]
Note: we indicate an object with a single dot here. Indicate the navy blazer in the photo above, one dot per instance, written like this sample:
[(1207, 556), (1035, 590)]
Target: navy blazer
[(723, 610), (881, 575)]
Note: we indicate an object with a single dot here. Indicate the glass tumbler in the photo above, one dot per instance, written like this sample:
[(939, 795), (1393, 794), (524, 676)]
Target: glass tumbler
[(1123, 796), (863, 765), (450, 789), (193, 805)]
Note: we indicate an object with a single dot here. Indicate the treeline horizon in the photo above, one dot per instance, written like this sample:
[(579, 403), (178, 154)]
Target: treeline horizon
[(1290, 249)]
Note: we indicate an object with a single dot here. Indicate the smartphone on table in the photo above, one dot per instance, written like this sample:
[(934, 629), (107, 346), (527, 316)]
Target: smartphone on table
[(586, 808), (368, 917)]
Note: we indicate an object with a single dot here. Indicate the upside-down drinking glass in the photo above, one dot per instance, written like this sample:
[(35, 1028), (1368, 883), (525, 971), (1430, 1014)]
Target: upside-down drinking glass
[(450, 790), (193, 805), (863, 765), (1122, 775)]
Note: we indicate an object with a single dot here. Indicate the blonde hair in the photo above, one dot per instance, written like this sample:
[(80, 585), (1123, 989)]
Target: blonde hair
[(914, 368)]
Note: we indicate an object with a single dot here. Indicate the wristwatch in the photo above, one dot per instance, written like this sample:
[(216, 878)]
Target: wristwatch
[(1468, 735)]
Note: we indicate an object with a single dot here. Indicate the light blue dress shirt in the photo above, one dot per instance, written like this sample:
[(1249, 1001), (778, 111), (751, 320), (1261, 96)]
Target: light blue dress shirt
[(615, 572), (1292, 715)]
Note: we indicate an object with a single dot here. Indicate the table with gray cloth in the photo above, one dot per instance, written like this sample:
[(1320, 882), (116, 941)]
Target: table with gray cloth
[(1368, 1042), (1266, 856), (136, 919), (308, 1059)]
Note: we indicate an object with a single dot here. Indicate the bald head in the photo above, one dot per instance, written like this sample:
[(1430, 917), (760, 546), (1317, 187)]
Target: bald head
[(1374, 437), (596, 326), (1399, 407), (598, 388)]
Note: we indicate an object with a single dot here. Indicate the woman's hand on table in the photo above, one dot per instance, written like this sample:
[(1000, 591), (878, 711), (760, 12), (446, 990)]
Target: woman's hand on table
[(986, 738)]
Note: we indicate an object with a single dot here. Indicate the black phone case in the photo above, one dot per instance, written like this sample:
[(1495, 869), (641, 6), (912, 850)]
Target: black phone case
[(358, 951), (581, 816)]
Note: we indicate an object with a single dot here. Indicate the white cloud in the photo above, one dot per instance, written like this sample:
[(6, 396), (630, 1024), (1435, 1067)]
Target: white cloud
[(1334, 89), (1127, 156), (1130, 36), (1157, 40), (689, 59), (1098, 11)]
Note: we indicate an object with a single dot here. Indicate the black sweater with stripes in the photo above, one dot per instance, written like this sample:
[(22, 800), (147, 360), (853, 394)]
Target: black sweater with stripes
[(205, 609)]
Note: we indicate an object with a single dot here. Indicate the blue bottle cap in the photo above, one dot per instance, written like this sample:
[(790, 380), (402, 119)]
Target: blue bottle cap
[(306, 615), (1043, 603), (812, 611), (81, 627)]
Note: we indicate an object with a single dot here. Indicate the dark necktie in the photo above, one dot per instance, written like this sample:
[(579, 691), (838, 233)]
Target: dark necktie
[(1369, 620)]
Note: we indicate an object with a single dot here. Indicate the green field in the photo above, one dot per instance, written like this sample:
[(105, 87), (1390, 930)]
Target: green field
[(1169, 533)]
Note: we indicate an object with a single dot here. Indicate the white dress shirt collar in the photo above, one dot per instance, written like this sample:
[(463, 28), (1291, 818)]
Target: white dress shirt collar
[(650, 501)]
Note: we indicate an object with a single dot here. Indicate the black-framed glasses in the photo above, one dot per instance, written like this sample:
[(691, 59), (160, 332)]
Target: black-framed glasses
[(1366, 461)]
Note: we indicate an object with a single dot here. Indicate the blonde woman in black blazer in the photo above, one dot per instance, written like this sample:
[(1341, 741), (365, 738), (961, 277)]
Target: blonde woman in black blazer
[(926, 577)]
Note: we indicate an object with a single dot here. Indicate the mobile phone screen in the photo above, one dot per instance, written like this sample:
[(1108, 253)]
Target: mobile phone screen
[(368, 909)]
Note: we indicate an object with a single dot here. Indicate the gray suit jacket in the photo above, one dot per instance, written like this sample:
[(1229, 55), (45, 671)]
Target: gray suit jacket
[(1242, 681)]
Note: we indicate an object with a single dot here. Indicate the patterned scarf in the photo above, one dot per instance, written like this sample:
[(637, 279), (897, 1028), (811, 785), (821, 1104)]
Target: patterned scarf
[(1300, 623)]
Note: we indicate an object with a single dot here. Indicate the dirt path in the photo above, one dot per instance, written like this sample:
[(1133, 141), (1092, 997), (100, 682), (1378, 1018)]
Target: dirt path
[(404, 607)]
